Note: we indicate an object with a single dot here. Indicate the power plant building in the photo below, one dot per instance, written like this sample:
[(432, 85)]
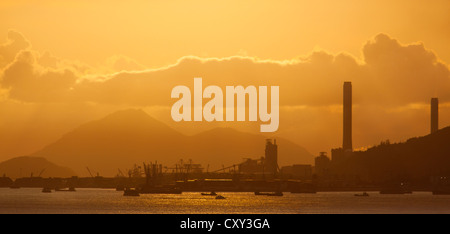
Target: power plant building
[(322, 164), (297, 171), (265, 165)]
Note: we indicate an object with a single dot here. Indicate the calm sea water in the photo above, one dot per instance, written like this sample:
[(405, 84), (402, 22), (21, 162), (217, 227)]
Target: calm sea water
[(32, 200)]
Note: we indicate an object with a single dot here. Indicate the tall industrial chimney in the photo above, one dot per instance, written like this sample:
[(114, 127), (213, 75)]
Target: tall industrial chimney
[(434, 115), (347, 140)]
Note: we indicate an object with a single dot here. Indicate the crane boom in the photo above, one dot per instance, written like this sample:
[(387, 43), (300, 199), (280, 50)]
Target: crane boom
[(41, 172), (89, 172)]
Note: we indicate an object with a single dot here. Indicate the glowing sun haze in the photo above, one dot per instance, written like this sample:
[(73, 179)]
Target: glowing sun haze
[(63, 63), (157, 33)]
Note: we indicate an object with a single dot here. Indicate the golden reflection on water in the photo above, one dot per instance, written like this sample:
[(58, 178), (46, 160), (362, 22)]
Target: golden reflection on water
[(31, 200)]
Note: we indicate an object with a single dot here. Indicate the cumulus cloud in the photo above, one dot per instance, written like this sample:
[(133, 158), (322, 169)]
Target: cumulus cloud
[(29, 76), (118, 63), (392, 82), (27, 81), (403, 73), (390, 74), (298, 80), (15, 43), (111, 65), (48, 60)]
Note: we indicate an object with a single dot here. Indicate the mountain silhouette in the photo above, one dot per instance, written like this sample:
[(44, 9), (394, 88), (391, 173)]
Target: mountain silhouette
[(417, 159), (26, 166), (131, 136)]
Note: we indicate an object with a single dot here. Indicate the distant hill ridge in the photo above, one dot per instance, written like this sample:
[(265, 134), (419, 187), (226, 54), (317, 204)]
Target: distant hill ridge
[(132, 136), (417, 158), (26, 166)]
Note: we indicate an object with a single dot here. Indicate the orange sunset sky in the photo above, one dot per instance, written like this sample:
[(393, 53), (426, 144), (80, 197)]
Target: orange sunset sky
[(64, 63)]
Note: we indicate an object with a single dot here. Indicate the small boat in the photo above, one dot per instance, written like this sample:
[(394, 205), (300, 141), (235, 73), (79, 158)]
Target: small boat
[(71, 189), (46, 190), (220, 197), (209, 194), (269, 194), (364, 194), (131, 192)]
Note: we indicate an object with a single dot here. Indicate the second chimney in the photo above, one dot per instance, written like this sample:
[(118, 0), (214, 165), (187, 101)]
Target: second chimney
[(347, 141)]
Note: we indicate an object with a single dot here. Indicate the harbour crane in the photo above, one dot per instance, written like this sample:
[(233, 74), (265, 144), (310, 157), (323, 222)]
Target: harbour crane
[(41, 172), (120, 173), (89, 172)]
